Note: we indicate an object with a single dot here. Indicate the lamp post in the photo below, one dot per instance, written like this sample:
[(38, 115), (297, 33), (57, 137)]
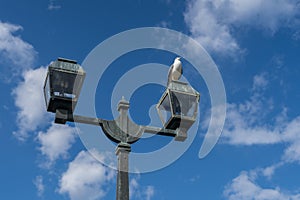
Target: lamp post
[(177, 109)]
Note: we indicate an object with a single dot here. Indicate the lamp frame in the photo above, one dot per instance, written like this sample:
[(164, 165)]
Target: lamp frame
[(178, 120), (63, 67)]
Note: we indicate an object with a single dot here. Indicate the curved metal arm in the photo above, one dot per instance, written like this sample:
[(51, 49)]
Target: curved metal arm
[(113, 130)]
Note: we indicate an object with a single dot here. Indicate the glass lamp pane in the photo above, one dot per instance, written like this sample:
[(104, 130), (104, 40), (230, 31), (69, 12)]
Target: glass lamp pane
[(63, 84), (165, 116), (47, 90), (164, 109), (165, 104), (184, 104)]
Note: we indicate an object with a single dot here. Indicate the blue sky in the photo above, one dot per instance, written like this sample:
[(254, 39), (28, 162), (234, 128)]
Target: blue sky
[(255, 45)]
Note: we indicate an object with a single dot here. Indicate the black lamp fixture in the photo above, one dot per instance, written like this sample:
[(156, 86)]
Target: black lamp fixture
[(178, 106), (62, 86)]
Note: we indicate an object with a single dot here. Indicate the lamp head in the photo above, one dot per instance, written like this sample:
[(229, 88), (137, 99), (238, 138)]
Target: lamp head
[(63, 84)]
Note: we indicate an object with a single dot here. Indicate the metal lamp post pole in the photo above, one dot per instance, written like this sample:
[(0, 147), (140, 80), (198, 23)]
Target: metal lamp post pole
[(122, 151)]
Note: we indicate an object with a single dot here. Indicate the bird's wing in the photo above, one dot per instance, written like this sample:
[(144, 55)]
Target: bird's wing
[(170, 74), (181, 70)]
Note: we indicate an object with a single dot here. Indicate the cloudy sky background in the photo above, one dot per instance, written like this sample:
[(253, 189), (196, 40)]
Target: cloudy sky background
[(255, 45)]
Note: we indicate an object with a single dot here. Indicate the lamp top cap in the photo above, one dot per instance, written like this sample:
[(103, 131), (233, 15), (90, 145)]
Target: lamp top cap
[(182, 87), (123, 104), (66, 60), (67, 65)]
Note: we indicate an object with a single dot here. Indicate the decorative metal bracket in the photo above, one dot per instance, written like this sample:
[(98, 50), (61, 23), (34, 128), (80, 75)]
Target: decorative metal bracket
[(122, 129)]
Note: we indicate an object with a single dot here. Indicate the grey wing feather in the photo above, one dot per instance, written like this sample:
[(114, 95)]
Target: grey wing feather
[(170, 74), (181, 70)]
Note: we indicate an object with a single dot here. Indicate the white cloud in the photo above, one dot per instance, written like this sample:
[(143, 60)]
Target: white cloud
[(13, 50), (53, 5), (252, 136), (85, 178), (260, 82), (194, 178), (296, 36), (244, 120), (241, 130), (133, 187), (266, 14), (56, 142), (270, 170), (30, 101), (38, 182), (206, 28), (149, 192), (164, 24), (16, 59), (136, 191), (212, 22), (292, 137), (248, 123), (245, 187)]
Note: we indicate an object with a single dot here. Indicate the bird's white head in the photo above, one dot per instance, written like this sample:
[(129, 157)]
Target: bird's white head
[(177, 58)]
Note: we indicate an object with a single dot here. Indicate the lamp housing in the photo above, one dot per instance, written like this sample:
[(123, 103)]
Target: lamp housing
[(62, 85), (178, 106)]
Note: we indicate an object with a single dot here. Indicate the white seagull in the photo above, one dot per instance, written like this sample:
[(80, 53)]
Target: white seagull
[(175, 70)]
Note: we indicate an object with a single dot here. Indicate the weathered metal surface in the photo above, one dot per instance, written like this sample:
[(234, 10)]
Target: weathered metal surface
[(122, 152), (68, 65), (178, 106), (113, 131), (62, 85)]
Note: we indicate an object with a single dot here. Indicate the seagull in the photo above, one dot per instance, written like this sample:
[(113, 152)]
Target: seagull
[(175, 70)]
